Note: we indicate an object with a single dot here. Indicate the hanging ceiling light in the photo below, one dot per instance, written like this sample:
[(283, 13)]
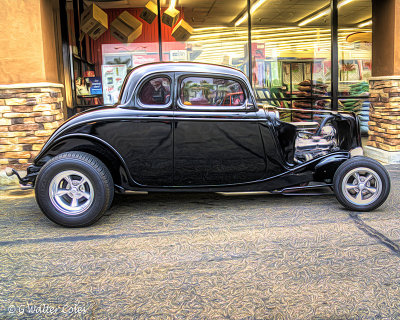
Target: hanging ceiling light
[(344, 2), (253, 8), (172, 4), (315, 17), (365, 24), (322, 13)]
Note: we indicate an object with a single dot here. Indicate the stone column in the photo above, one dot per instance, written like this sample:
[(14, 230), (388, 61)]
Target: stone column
[(29, 115), (384, 126)]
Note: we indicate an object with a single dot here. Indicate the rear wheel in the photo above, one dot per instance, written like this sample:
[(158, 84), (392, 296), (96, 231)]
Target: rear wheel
[(74, 189), (361, 184)]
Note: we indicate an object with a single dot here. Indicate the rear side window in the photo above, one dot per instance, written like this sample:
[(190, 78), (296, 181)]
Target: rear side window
[(204, 91), (156, 91)]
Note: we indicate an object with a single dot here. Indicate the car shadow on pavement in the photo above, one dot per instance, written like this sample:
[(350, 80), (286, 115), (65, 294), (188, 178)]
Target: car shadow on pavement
[(156, 203)]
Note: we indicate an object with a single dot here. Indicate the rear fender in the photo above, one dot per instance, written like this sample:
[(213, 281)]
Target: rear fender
[(92, 145)]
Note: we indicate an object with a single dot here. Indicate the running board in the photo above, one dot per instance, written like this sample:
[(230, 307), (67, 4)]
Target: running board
[(299, 191)]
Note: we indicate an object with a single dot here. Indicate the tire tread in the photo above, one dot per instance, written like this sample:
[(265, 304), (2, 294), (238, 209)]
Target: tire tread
[(98, 166)]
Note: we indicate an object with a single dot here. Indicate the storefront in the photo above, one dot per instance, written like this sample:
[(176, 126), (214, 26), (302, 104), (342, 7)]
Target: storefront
[(298, 54)]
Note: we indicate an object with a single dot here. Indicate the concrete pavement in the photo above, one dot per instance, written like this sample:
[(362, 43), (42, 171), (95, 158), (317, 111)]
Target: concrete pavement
[(203, 256)]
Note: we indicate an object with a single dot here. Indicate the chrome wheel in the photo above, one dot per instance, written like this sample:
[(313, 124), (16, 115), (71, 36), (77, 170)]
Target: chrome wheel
[(71, 192), (362, 186)]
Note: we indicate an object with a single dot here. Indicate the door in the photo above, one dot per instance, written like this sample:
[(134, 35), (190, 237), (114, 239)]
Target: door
[(146, 134), (216, 140)]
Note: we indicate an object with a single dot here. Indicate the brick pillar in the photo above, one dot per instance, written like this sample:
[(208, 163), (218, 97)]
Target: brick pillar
[(384, 134), (29, 115), (384, 125)]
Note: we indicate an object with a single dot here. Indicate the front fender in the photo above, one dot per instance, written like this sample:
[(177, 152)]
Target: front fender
[(326, 168)]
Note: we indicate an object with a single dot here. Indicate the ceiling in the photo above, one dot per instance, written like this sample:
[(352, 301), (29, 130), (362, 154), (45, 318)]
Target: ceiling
[(290, 12), (275, 25), (207, 13)]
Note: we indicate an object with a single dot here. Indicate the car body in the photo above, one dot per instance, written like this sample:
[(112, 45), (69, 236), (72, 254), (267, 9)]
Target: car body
[(189, 136)]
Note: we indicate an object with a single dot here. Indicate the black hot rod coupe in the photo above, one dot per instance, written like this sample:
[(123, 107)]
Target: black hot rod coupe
[(196, 127)]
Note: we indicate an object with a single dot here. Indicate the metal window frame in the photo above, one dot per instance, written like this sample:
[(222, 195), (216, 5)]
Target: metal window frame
[(180, 77), (68, 80), (249, 50), (160, 52), (334, 54)]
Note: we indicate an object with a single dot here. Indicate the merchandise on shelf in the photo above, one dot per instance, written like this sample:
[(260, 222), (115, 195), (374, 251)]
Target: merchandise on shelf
[(358, 106), (313, 93)]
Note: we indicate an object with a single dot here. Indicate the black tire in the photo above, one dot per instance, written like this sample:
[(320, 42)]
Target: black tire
[(98, 186), (372, 176)]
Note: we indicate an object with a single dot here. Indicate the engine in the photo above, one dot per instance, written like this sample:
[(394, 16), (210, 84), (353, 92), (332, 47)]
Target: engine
[(313, 145)]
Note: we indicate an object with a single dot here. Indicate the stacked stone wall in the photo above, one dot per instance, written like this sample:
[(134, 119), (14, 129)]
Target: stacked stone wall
[(384, 124), (28, 117)]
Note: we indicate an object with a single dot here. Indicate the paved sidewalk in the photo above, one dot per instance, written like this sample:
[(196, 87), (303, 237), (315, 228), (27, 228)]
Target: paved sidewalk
[(203, 256)]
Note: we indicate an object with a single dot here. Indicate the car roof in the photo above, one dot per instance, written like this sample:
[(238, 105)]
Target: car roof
[(188, 67), (137, 74)]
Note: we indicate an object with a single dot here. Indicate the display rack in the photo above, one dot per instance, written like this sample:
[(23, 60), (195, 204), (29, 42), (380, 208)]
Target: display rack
[(83, 101)]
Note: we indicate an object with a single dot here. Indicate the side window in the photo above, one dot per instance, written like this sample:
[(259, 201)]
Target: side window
[(206, 91), (156, 91)]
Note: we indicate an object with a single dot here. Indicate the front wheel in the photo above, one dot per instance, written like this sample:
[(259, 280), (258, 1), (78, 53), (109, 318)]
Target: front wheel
[(361, 184), (74, 189)]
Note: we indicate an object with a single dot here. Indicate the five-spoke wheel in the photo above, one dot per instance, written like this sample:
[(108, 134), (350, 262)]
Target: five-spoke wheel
[(71, 192), (74, 189), (361, 184)]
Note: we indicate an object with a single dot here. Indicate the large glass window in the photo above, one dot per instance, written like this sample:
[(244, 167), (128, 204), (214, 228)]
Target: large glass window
[(288, 62), (214, 36), (108, 39), (291, 57), (127, 35), (355, 59)]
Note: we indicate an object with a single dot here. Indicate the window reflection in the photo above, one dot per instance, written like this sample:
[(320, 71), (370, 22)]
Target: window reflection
[(211, 92), (156, 91)]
